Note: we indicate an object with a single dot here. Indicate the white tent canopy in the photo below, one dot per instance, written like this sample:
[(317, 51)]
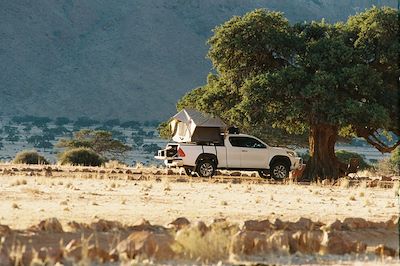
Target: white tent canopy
[(190, 125)]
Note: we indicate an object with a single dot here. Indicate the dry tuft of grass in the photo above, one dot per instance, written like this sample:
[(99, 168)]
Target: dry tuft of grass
[(19, 182), (114, 164), (15, 206), (207, 247), (352, 197), (344, 183)]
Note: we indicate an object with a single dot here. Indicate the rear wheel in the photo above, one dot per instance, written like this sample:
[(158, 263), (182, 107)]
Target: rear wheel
[(279, 171), (206, 168)]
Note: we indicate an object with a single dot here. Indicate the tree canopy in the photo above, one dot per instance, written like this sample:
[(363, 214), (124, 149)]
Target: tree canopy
[(101, 142), (314, 79)]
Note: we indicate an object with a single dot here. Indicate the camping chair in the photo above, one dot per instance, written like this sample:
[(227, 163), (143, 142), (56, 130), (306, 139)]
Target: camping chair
[(353, 167)]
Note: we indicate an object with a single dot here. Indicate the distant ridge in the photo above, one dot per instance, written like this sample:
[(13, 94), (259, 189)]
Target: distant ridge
[(121, 59)]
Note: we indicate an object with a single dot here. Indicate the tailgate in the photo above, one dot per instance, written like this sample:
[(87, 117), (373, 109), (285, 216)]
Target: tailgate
[(170, 152)]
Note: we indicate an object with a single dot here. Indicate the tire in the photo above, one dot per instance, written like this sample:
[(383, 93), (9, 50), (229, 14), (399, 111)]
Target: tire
[(264, 173), (279, 171), (206, 168)]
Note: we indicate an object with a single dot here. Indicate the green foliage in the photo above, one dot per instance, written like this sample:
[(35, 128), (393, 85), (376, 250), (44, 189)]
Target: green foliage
[(29, 157), (85, 122), (61, 121), (345, 156), (81, 156), (273, 79), (130, 124), (101, 142), (164, 130), (394, 161), (112, 123), (151, 148)]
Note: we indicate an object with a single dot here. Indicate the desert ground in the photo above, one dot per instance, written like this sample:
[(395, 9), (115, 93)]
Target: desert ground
[(125, 215)]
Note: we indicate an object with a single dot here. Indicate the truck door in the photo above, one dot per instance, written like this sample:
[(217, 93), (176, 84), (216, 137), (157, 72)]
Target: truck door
[(253, 153), (233, 152)]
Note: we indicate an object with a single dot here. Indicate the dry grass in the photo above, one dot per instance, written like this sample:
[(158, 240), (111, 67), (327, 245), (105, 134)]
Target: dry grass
[(209, 247)]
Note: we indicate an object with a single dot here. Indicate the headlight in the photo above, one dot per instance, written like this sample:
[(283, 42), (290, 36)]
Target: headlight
[(291, 153)]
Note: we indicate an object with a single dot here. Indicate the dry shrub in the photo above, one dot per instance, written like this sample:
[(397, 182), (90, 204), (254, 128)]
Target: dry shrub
[(396, 188), (114, 164), (139, 165), (344, 183), (210, 246)]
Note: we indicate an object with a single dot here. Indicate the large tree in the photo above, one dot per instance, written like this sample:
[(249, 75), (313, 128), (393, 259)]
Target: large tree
[(314, 79)]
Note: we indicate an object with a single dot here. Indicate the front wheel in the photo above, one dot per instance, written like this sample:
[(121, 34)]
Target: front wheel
[(206, 168), (279, 171)]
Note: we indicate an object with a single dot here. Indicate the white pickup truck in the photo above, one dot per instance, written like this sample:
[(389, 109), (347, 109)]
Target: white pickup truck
[(234, 152)]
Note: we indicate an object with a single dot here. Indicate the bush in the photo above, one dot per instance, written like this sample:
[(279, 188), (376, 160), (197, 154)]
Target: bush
[(390, 165), (81, 156), (30, 157), (345, 156)]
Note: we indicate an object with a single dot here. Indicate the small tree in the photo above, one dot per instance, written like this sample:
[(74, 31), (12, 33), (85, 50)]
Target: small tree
[(80, 156), (29, 157), (101, 142)]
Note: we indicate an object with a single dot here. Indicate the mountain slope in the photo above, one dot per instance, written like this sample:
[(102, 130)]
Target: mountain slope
[(121, 59)]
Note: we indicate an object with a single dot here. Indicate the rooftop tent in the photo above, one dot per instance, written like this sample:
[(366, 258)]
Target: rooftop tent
[(190, 125)]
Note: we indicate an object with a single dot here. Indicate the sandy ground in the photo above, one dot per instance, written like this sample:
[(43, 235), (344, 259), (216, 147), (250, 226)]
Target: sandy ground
[(25, 201)]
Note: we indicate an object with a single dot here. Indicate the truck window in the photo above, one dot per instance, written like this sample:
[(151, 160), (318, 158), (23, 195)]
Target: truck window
[(246, 142)]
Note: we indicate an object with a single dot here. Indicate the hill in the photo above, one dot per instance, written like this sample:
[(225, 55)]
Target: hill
[(121, 59)]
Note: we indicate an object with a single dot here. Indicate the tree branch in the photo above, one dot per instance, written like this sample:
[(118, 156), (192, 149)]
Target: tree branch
[(369, 135)]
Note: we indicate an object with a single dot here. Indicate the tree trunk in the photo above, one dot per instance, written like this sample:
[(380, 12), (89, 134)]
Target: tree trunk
[(323, 163)]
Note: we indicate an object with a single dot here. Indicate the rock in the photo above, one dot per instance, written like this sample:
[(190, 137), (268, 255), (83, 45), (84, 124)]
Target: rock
[(5, 230), (254, 225), (179, 223), (373, 183), (77, 227), (145, 244), (235, 174), (5, 259), (355, 223), (249, 242), (144, 225), (306, 242), (279, 224), (51, 255), (48, 171), (336, 225), (384, 251), (255, 242), (105, 226), (392, 223), (202, 227), (386, 178), (74, 250), (302, 224), (338, 242), (50, 225)]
